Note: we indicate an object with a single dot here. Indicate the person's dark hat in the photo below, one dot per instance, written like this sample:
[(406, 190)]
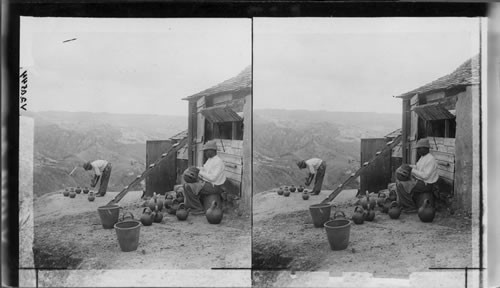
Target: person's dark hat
[(87, 166), (301, 164)]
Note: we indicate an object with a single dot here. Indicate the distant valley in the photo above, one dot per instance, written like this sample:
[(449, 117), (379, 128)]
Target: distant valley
[(64, 140), (282, 137)]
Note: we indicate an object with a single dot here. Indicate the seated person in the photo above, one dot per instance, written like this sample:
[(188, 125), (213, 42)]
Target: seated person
[(209, 180), (415, 183)]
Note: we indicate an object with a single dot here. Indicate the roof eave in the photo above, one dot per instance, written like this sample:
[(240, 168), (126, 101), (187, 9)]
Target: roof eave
[(195, 97)]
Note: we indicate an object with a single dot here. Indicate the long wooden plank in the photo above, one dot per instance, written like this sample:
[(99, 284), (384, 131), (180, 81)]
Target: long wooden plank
[(339, 188), (148, 170)]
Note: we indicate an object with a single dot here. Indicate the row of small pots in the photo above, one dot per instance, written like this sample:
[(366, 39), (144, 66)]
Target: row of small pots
[(71, 193)]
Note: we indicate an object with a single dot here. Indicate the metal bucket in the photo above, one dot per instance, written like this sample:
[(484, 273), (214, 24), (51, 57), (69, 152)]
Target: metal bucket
[(320, 213), (127, 233), (109, 215), (337, 232)]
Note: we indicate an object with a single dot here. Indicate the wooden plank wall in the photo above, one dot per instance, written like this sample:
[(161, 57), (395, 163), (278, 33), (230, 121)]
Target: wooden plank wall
[(443, 149), (464, 150), (231, 153)]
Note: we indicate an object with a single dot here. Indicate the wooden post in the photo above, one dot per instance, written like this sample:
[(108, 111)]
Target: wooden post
[(191, 129), (246, 187), (404, 131)]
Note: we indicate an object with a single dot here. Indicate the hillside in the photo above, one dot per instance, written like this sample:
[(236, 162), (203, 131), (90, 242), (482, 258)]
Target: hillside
[(64, 140), (282, 137)]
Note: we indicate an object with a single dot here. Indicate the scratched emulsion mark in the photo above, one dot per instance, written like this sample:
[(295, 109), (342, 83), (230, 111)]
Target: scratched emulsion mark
[(23, 89)]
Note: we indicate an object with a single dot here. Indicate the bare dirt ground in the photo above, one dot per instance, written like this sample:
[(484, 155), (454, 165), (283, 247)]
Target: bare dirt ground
[(284, 238), (69, 235)]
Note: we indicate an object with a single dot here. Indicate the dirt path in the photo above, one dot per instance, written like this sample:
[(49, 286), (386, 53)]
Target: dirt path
[(69, 234), (284, 238)]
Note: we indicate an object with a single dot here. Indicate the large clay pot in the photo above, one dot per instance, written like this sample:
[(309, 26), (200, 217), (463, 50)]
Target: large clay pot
[(72, 194), (286, 193), (86, 190), (214, 213), (387, 205), (169, 200), (173, 208), (147, 217), (426, 213), (300, 189), (292, 188), (305, 196), (381, 199), (91, 196), (154, 201), (66, 192), (394, 210), (78, 190), (369, 214), (157, 216), (182, 213), (358, 216), (280, 191)]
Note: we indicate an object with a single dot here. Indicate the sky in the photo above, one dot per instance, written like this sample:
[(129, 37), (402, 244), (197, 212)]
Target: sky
[(354, 64), (139, 66)]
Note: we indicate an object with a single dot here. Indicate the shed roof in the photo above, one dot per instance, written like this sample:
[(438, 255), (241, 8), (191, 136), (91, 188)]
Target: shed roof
[(466, 74), (240, 82)]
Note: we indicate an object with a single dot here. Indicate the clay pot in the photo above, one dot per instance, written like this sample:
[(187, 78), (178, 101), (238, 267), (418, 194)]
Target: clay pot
[(147, 217), (358, 216), (182, 213), (157, 215), (154, 201), (292, 188), (306, 191), (339, 215), (91, 196), (381, 199), (280, 191), (426, 213), (392, 195), (300, 188), (168, 202), (66, 192), (364, 202), (305, 196), (286, 193), (72, 194), (173, 208), (372, 201), (394, 210), (387, 205), (86, 190), (127, 216), (369, 214), (214, 213), (78, 190)]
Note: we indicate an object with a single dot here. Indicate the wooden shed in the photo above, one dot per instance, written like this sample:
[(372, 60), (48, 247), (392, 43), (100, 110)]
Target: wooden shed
[(166, 174), (224, 113), (377, 176), (446, 111)]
